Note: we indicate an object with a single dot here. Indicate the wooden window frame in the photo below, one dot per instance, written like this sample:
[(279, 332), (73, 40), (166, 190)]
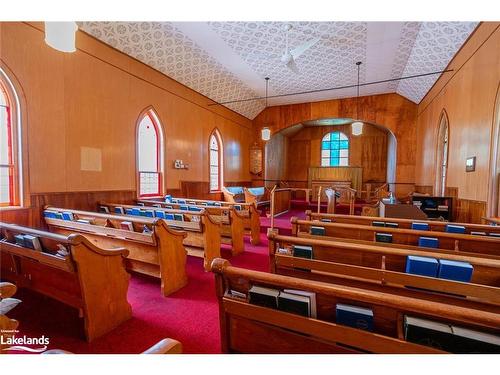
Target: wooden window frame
[(220, 159), (330, 149)]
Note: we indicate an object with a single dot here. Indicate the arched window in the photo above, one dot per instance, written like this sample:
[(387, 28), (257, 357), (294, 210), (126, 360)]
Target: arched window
[(216, 161), (442, 155), (149, 155), (335, 150), (10, 158)]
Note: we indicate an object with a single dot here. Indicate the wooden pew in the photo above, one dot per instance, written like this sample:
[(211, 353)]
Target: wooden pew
[(233, 194), (383, 269), (247, 328), (231, 221), (160, 253), (435, 226), (251, 220), (257, 195), (89, 278), (447, 241)]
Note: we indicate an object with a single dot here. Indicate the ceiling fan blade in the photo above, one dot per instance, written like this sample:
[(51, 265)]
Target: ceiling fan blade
[(297, 51), (292, 66)]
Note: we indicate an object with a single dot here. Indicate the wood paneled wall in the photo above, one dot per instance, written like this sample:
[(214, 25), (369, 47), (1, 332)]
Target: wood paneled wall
[(391, 111), (92, 98), (368, 151), (468, 96)]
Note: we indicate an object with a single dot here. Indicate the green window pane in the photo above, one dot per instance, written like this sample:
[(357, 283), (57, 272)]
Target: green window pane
[(334, 162), (325, 145), (344, 144), (335, 145), (335, 154), (335, 136)]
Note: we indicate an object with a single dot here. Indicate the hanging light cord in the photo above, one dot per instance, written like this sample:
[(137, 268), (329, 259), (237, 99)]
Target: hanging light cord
[(267, 82), (357, 96)]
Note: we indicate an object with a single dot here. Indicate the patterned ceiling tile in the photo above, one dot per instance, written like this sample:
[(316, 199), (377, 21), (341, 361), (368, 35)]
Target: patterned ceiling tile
[(419, 47)]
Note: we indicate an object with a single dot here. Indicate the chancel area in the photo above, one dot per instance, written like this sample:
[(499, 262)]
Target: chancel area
[(249, 187)]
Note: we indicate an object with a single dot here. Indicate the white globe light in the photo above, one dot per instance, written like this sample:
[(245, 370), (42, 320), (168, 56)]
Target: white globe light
[(266, 134), (61, 35), (357, 128)]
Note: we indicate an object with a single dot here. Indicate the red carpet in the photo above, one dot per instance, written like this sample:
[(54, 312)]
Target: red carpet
[(189, 315)]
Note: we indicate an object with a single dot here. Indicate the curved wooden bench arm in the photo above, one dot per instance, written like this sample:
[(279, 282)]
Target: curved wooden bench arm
[(7, 290), (165, 346)]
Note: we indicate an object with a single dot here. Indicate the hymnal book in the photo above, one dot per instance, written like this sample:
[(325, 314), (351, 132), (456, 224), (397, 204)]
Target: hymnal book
[(169, 216), (68, 216), (326, 220), (183, 208), (194, 209), (84, 221), (127, 225), (49, 214), (383, 237), (283, 251), (140, 204), (427, 332), (295, 304), (312, 300), (495, 234), (472, 341), (19, 240), (450, 228), (173, 200), (420, 226), (302, 251), (136, 211), (235, 294), (391, 225), (33, 242), (157, 205), (104, 209), (237, 207), (478, 233), (354, 316), (442, 207), (423, 266), (205, 204), (119, 210), (62, 251), (128, 211), (431, 242), (318, 231), (149, 213), (168, 198), (378, 223), (179, 217), (181, 201), (169, 207), (160, 214), (59, 215), (453, 270), (261, 296), (145, 229), (218, 204)]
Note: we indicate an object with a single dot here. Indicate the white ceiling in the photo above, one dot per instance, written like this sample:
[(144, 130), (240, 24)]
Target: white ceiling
[(229, 60)]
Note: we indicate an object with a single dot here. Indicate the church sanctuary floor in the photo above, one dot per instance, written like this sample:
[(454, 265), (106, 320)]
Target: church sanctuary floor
[(190, 315)]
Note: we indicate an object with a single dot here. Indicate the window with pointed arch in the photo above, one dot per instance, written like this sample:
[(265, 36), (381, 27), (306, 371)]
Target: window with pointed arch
[(149, 155), (335, 150), (216, 164), (10, 157)]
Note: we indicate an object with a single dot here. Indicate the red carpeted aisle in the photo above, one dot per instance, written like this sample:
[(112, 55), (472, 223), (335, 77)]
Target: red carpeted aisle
[(189, 315)]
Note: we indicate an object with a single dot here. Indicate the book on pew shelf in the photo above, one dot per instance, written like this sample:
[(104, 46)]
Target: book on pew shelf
[(168, 198), (354, 316), (169, 207), (237, 207), (33, 242), (19, 238), (495, 234), (442, 207), (428, 332), (431, 242), (318, 231), (261, 296), (183, 208), (62, 251), (423, 266), (204, 204), (136, 212), (478, 233), (145, 229), (49, 214), (383, 237), (420, 226), (194, 209), (128, 211), (326, 220), (140, 204), (312, 300), (472, 341), (179, 217), (104, 209), (160, 214), (451, 228), (283, 251), (391, 225), (85, 221), (378, 224), (302, 251), (157, 205), (181, 201), (59, 215), (149, 213), (127, 225), (68, 216), (119, 210), (295, 304), (235, 294), (169, 216), (173, 200), (218, 204), (453, 270)]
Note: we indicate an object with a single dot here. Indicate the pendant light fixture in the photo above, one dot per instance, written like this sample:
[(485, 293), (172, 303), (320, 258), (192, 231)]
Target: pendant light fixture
[(357, 126), (61, 35), (266, 132)]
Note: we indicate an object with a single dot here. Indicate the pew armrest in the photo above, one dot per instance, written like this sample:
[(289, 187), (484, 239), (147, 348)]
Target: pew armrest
[(7, 290), (165, 346)]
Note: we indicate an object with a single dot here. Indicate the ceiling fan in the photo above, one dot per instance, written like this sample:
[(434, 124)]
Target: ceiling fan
[(291, 55)]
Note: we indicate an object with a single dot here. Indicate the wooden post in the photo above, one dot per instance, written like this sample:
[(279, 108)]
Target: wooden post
[(319, 200)]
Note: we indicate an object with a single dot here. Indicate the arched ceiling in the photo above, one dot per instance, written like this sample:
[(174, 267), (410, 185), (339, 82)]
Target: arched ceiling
[(229, 60)]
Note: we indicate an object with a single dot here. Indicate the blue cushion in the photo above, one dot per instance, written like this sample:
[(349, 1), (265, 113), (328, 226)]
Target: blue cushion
[(424, 266), (453, 270)]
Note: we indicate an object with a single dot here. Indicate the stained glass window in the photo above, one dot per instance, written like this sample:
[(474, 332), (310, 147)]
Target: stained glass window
[(335, 150)]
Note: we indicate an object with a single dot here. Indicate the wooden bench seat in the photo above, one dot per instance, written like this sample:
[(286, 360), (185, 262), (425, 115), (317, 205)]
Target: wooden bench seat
[(383, 269), (435, 226), (159, 252), (447, 241), (203, 233), (249, 212), (231, 221), (248, 328), (89, 278)]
